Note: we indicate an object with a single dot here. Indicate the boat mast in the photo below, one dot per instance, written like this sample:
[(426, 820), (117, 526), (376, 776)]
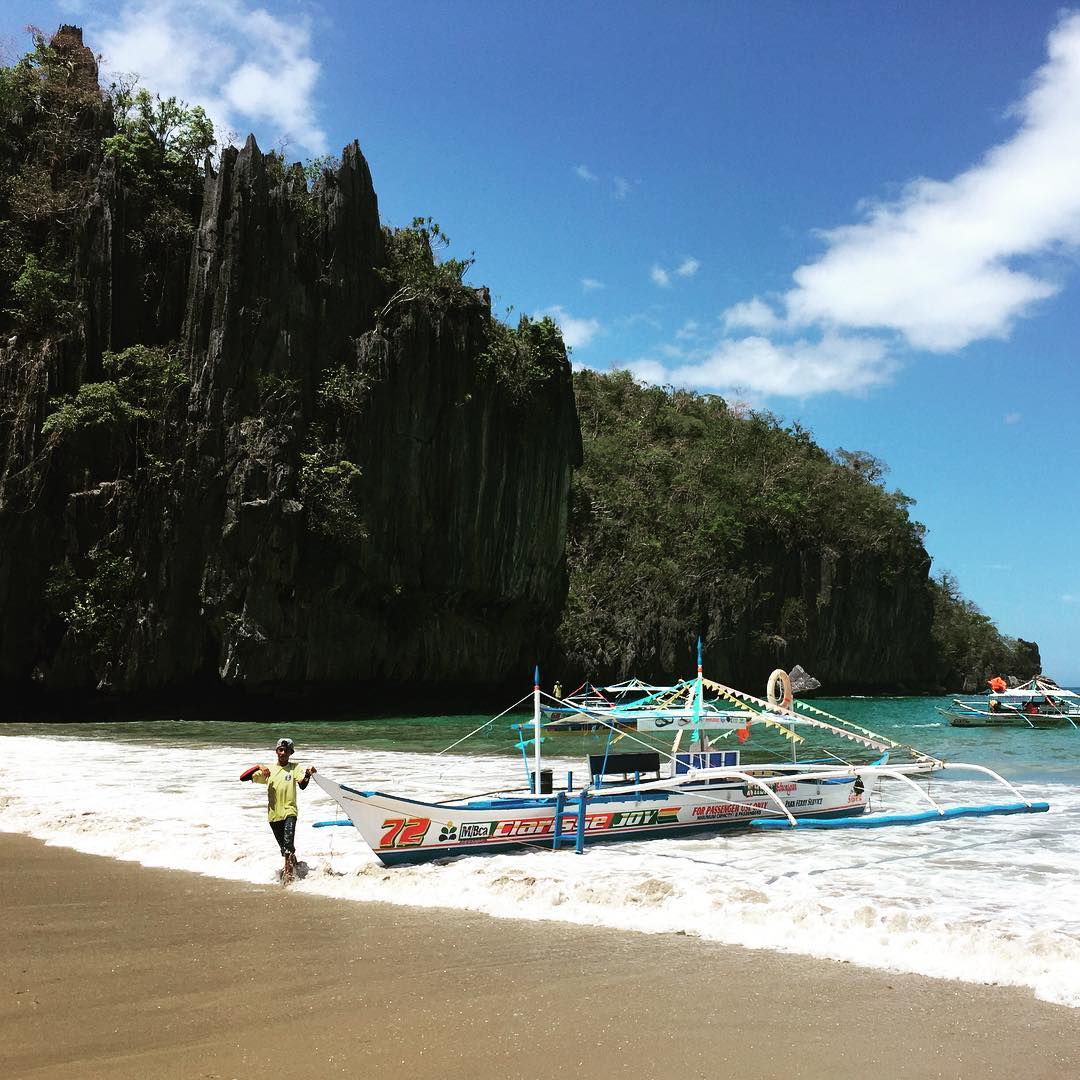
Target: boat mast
[(536, 730), (702, 741)]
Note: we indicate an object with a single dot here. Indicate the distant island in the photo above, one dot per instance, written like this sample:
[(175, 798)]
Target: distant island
[(253, 441)]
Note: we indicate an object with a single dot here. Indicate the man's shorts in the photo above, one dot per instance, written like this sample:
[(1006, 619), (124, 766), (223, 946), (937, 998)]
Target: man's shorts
[(284, 833)]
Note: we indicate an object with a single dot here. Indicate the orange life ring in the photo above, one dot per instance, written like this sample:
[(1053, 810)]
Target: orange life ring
[(779, 676)]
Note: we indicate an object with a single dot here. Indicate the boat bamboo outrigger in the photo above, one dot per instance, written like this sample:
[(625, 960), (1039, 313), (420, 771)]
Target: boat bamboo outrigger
[(705, 786)]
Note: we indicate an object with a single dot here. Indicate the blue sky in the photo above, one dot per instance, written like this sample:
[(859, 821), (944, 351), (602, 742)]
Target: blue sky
[(864, 217)]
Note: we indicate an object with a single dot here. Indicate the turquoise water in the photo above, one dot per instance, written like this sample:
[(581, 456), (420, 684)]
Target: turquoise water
[(1022, 754)]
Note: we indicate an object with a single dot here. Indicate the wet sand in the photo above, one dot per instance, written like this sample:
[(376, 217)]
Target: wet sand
[(114, 970)]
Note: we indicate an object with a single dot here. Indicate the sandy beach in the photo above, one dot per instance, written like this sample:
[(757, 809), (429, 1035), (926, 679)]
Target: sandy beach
[(115, 970)]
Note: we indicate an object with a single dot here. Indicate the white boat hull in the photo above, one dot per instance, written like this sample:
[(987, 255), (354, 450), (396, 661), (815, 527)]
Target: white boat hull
[(410, 831)]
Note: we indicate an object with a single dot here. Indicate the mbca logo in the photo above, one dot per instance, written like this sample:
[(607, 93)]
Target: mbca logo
[(476, 830)]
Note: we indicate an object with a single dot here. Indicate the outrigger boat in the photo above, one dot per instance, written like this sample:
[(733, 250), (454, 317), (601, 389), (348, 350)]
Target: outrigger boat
[(1038, 703), (705, 787)]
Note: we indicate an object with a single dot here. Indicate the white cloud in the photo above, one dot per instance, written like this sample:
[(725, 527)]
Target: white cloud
[(793, 369), (577, 333), (646, 370), (591, 284), (949, 263), (754, 315), (663, 277), (246, 67), (621, 187), (688, 331), (1013, 418), (639, 318), (945, 264)]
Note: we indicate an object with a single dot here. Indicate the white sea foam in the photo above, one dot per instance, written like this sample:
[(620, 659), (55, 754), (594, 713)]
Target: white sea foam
[(988, 900)]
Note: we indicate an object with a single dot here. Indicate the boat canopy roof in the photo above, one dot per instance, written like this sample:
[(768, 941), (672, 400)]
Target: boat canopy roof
[(635, 684), (1035, 686)]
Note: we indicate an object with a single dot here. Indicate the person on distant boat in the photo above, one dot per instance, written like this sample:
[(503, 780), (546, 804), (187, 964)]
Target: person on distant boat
[(997, 684), (557, 689), (281, 780)]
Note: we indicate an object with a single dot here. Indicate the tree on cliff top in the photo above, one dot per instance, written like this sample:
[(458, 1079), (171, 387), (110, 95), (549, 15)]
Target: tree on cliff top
[(970, 648), (56, 126), (416, 269), (158, 140), (50, 115)]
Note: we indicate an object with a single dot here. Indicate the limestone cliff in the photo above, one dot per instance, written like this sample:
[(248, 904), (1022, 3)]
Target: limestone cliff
[(339, 485)]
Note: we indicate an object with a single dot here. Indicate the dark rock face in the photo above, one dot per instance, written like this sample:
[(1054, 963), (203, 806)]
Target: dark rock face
[(857, 624), (457, 574)]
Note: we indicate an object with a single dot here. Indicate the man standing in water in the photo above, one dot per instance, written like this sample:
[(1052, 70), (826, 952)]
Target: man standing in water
[(281, 782)]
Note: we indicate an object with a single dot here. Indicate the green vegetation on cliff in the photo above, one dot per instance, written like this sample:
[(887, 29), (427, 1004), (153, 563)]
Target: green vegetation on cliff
[(684, 509), (250, 436), (519, 359), (50, 105), (160, 144), (970, 648), (95, 604), (118, 425), (414, 270), (56, 125)]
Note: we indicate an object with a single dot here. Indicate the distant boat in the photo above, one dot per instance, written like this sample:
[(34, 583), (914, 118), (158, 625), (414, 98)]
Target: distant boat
[(1038, 703), (635, 705)]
